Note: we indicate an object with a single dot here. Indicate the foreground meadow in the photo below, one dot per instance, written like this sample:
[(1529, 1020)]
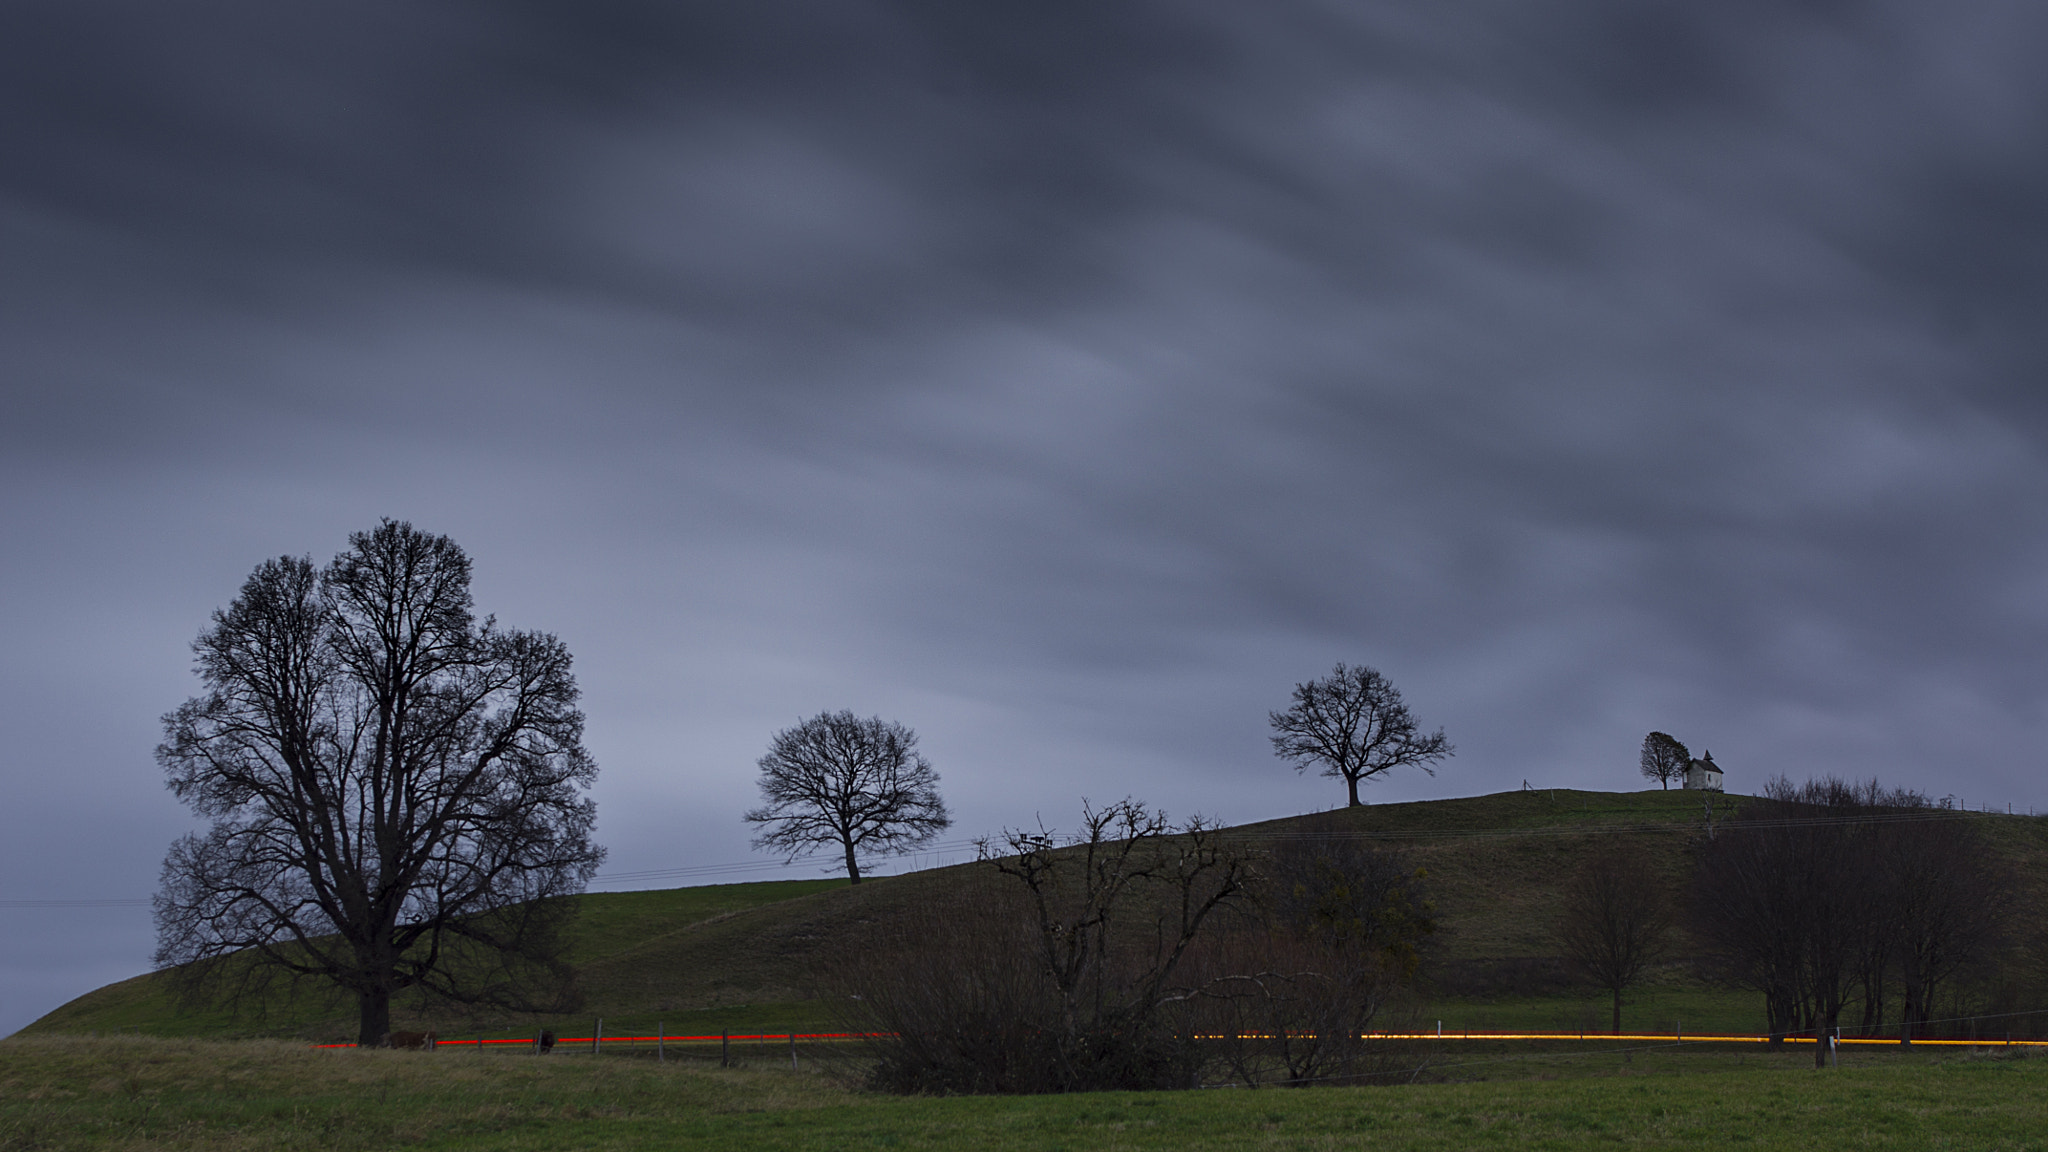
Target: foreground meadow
[(141, 1092)]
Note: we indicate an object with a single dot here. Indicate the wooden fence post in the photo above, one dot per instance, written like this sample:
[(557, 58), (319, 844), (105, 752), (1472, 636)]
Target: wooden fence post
[(792, 1051), (597, 1037), (660, 1042), (725, 1048)]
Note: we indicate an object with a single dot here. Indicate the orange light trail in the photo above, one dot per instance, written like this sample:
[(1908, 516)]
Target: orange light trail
[(1632, 1037)]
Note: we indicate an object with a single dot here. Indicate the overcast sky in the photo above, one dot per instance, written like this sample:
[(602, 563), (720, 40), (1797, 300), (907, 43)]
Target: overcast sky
[(1065, 384)]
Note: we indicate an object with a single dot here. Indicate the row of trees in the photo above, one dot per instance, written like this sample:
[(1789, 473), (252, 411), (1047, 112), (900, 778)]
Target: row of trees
[(395, 788), (1091, 962), (1825, 897), (395, 792), (861, 788)]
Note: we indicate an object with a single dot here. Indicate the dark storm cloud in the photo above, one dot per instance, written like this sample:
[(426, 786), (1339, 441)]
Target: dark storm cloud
[(1066, 380)]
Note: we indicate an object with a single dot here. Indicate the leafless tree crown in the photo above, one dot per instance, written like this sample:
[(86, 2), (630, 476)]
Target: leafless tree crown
[(1828, 889), (1616, 920), (395, 789), (1139, 954), (1353, 723), (1664, 759), (840, 781)]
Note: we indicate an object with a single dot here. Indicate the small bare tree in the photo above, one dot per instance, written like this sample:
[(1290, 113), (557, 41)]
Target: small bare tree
[(1664, 759), (1060, 968), (836, 779), (1353, 723), (1089, 900), (1295, 996), (1616, 920)]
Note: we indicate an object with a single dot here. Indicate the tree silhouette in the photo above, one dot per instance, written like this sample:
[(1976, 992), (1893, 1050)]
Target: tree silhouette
[(1664, 759), (836, 779), (395, 789), (1353, 723), (1616, 920)]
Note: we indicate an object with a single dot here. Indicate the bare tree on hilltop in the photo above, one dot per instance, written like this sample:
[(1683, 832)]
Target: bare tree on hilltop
[(838, 780), (1353, 723), (395, 788), (1664, 759)]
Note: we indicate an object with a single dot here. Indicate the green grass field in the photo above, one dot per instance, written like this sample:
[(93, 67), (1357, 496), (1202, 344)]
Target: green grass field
[(128, 1067), (608, 924), (151, 1093)]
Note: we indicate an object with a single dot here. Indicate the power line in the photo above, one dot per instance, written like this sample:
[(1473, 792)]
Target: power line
[(743, 867), (1719, 822), (637, 877), (693, 870)]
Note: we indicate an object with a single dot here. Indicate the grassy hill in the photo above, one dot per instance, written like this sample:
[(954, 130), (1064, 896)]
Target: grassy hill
[(743, 956)]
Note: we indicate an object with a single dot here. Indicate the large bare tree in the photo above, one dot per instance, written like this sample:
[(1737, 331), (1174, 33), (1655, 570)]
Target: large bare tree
[(1664, 759), (395, 789), (1353, 723), (859, 785)]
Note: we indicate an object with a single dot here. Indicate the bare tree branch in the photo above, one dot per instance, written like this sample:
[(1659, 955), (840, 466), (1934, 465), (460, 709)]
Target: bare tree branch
[(395, 790), (1664, 759), (836, 779), (1617, 919), (1353, 723)]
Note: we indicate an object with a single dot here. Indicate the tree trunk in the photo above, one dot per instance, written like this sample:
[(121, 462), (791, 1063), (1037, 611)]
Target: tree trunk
[(852, 867), (1353, 782), (375, 1006), (1617, 1011)]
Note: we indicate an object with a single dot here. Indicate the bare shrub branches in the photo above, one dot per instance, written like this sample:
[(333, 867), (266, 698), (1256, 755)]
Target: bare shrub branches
[(1295, 996), (1138, 953), (1061, 974)]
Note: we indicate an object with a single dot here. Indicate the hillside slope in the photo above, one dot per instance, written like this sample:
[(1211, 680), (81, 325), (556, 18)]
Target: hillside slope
[(744, 956)]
